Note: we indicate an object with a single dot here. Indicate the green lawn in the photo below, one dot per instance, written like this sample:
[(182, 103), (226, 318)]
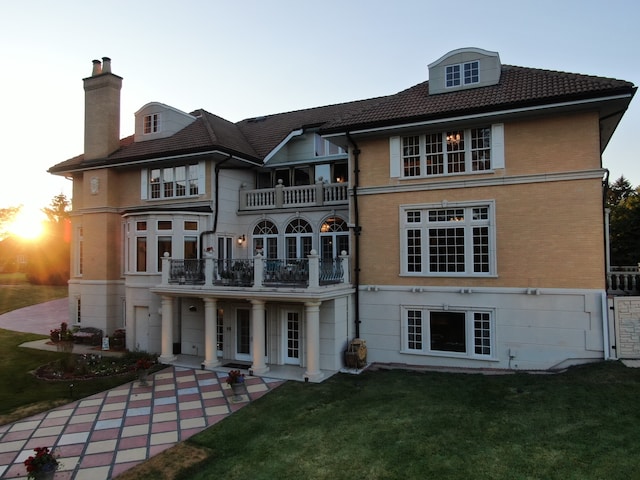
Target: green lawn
[(16, 292), (22, 394), (581, 424)]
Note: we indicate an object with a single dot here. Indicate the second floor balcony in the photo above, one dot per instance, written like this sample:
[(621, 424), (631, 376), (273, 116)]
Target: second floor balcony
[(320, 194), (256, 272)]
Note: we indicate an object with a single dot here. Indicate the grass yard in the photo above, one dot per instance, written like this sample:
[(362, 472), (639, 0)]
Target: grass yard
[(16, 292), (22, 394), (581, 424)]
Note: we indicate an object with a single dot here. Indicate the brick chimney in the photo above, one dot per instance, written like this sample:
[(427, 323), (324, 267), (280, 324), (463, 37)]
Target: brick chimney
[(101, 111)]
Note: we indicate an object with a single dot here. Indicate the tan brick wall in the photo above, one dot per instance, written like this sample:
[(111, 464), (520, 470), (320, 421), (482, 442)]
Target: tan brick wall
[(101, 246), (560, 144), (549, 234)]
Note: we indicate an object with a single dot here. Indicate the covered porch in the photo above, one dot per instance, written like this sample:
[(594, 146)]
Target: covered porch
[(275, 333)]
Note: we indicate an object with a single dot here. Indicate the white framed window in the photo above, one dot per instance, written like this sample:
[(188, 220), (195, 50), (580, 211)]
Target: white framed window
[(455, 151), (448, 239), (462, 74), (460, 332), (151, 124), (79, 251), (179, 181), (298, 239), (324, 148), (78, 310), (446, 153), (265, 238)]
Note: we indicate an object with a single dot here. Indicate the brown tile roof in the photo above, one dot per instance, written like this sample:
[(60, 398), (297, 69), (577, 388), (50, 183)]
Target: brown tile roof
[(518, 87), (265, 133), (253, 139)]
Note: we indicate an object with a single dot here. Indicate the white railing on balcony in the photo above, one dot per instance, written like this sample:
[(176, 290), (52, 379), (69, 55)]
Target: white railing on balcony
[(299, 196), (257, 272), (624, 280)]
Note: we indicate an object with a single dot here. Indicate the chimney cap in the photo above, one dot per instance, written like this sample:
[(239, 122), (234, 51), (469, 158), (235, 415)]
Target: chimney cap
[(106, 65), (97, 68)]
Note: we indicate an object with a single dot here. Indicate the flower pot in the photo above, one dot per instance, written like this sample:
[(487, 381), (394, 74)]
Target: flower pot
[(45, 475), (142, 376)]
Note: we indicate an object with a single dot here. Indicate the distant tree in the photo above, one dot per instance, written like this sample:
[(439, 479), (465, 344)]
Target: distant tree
[(624, 225), (58, 211), (49, 258), (7, 215), (619, 190)]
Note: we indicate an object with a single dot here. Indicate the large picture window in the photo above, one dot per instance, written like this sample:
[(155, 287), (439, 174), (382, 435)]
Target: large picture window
[(449, 240), (449, 332)]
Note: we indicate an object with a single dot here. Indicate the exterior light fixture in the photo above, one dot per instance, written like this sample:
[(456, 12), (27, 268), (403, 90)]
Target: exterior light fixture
[(241, 239)]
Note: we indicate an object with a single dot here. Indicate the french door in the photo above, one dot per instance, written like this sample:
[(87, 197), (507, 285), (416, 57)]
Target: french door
[(292, 337)]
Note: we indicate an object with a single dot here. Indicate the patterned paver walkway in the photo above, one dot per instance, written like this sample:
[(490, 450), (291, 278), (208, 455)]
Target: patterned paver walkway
[(101, 436)]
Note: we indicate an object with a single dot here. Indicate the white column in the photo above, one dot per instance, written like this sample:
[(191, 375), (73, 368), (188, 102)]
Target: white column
[(312, 315), (167, 355), (210, 333), (258, 366)]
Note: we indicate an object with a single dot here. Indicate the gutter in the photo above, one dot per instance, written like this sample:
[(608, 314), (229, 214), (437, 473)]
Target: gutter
[(357, 229), (605, 310)]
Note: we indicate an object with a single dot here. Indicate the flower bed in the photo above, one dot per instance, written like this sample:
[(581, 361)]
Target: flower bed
[(88, 366)]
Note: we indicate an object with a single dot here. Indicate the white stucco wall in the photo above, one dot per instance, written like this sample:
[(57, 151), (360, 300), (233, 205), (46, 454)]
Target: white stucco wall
[(539, 330)]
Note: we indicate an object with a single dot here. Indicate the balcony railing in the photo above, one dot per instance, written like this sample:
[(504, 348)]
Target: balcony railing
[(623, 280), (257, 272), (320, 194)]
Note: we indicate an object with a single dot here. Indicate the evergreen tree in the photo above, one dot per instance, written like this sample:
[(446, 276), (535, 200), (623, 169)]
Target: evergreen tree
[(624, 226)]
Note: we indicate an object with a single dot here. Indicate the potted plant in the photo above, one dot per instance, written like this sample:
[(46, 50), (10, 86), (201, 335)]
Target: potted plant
[(42, 465), (235, 380), (142, 367)]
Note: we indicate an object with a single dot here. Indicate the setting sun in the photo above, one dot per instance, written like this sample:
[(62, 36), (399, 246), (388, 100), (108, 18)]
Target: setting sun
[(28, 223)]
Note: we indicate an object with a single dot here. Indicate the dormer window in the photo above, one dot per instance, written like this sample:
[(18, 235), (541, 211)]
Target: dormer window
[(151, 123), (469, 73), (460, 69)]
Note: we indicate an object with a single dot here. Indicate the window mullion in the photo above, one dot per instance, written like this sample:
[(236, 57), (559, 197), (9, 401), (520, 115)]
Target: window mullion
[(423, 155), (466, 135)]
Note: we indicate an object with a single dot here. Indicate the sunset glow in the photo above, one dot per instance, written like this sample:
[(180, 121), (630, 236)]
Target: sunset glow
[(28, 224)]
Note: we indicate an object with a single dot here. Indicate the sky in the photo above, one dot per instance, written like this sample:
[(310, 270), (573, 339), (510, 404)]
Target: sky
[(246, 58)]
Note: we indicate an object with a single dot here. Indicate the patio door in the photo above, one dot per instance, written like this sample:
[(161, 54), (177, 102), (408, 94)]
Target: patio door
[(243, 334), (292, 337)]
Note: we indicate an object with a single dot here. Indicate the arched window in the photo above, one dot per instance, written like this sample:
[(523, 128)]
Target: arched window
[(298, 237), (265, 237), (334, 237)]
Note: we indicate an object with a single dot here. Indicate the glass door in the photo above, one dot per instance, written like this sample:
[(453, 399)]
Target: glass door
[(292, 337), (243, 335)]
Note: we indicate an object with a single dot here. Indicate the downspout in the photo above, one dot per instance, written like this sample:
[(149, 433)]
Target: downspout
[(605, 303), (357, 229), (215, 209)]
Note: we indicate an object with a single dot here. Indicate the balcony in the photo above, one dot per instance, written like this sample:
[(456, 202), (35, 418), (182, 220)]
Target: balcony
[(318, 195), (623, 280), (256, 272)]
